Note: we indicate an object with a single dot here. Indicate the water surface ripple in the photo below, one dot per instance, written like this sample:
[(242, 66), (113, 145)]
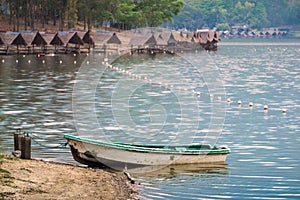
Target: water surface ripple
[(264, 163)]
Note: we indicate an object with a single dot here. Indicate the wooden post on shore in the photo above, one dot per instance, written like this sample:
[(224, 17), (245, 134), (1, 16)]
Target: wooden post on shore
[(26, 147), (18, 140)]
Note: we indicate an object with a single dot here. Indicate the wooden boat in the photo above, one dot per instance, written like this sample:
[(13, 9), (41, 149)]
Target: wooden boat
[(98, 153)]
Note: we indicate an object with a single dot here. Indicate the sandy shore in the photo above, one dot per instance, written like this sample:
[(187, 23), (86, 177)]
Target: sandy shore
[(35, 179)]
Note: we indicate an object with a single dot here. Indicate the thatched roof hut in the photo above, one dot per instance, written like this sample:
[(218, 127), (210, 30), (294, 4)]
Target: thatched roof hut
[(178, 36), (69, 38), (85, 36), (101, 38), (33, 38), (166, 39), (56, 40), (1, 40), (143, 40), (13, 38), (48, 37)]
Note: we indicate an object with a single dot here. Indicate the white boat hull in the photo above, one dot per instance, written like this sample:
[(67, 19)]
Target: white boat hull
[(92, 154)]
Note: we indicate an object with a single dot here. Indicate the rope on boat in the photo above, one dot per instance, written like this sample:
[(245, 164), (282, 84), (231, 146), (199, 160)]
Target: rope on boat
[(36, 139)]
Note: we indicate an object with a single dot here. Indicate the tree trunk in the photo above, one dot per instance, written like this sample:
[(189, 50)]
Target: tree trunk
[(25, 14)]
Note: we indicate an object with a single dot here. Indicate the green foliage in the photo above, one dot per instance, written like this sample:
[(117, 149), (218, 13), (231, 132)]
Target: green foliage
[(223, 26), (253, 13), (139, 13)]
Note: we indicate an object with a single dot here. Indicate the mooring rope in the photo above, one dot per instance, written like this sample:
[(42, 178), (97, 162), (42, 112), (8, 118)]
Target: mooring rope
[(36, 139)]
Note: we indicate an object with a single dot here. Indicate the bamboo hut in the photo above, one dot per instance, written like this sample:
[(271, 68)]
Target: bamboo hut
[(11, 39), (86, 37), (106, 41), (182, 41), (143, 41), (71, 40), (208, 38), (1, 40), (166, 39), (105, 38), (33, 39)]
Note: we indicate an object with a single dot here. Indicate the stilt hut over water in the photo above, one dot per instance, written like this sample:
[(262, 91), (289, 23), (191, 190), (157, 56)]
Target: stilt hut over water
[(67, 42), (165, 39), (57, 42), (11, 40), (1, 41), (33, 39), (85, 36), (71, 40), (209, 39), (142, 41), (106, 41)]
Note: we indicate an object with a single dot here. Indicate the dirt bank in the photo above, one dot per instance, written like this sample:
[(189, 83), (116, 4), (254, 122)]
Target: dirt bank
[(35, 179)]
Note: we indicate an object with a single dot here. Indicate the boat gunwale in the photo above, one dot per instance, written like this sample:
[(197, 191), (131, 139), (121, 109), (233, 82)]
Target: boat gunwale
[(131, 147)]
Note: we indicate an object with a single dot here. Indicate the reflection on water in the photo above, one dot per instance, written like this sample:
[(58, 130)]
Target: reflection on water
[(35, 95), (264, 163), (174, 171)]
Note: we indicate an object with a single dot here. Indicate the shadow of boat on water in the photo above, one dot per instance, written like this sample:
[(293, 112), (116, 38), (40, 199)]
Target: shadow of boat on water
[(173, 171)]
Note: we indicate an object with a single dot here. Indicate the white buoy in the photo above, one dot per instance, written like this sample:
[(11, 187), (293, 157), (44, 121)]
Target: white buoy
[(250, 104), (17, 61), (239, 102), (29, 61), (266, 107), (74, 54), (60, 61), (87, 62), (75, 62), (3, 60), (24, 56), (43, 61)]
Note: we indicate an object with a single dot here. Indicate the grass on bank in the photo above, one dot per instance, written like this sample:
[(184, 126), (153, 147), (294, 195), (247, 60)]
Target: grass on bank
[(5, 177)]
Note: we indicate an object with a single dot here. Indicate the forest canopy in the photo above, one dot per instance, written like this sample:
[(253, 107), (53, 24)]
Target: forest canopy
[(223, 14), (128, 14), (120, 13)]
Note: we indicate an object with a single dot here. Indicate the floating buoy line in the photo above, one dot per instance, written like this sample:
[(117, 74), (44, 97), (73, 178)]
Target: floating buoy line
[(44, 61), (229, 101), (168, 86)]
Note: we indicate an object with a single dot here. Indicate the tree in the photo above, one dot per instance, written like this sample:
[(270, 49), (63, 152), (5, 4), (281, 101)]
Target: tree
[(294, 13), (259, 17), (126, 15), (276, 11), (72, 13), (156, 12)]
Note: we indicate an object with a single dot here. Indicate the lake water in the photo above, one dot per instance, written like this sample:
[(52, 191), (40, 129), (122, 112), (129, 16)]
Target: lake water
[(169, 99)]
